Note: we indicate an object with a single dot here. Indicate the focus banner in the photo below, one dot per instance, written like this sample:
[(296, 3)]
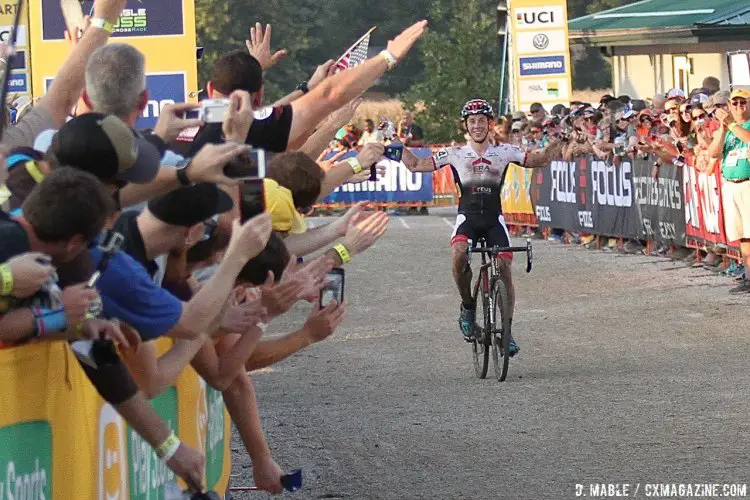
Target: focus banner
[(588, 196)]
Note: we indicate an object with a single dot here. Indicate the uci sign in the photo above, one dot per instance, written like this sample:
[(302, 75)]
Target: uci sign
[(539, 17)]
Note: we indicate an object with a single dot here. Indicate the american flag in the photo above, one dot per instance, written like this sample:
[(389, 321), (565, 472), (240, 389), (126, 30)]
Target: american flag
[(356, 55)]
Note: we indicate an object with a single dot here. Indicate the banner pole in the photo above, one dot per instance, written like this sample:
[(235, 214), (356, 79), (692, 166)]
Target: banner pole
[(503, 67), (504, 57)]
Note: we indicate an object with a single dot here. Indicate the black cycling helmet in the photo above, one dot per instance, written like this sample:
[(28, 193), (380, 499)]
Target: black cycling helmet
[(477, 107)]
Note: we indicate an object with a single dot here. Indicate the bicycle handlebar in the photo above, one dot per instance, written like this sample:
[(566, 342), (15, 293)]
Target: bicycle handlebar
[(496, 250)]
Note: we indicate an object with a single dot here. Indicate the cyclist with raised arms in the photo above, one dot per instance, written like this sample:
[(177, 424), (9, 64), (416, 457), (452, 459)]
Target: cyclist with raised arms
[(479, 171)]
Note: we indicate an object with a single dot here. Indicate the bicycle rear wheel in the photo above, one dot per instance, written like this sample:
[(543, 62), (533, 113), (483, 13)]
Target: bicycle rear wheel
[(501, 335), (480, 345)]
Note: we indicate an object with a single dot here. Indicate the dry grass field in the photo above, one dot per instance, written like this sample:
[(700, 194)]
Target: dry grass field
[(379, 108)]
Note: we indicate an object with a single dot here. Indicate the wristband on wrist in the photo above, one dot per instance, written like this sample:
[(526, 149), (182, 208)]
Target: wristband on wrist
[(168, 448), (355, 164), (182, 175), (102, 24), (342, 252), (6, 280), (390, 59), (48, 321), (303, 87)]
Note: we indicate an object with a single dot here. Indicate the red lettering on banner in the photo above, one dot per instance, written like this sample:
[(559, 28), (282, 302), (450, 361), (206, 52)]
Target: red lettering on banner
[(703, 211)]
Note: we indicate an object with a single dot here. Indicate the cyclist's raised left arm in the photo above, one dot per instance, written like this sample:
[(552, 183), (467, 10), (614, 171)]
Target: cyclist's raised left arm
[(542, 158), (415, 164)]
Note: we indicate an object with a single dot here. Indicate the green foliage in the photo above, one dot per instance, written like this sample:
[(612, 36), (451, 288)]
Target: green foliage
[(461, 57)]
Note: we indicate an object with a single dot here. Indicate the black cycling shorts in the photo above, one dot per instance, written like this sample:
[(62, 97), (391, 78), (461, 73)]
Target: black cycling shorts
[(494, 231)]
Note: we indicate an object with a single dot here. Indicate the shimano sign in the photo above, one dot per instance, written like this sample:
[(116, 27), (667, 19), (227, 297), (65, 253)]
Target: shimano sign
[(543, 65)]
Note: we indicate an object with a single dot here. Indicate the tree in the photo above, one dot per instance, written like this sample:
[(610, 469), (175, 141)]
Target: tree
[(312, 31), (461, 57)]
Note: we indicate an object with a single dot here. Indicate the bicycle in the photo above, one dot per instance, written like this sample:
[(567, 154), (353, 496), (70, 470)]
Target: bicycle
[(494, 299)]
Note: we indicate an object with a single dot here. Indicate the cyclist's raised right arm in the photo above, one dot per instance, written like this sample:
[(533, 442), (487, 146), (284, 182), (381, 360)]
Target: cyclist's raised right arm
[(430, 164)]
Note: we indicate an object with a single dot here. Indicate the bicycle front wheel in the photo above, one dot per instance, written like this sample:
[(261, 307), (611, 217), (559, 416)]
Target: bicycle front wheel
[(501, 329), (481, 345)]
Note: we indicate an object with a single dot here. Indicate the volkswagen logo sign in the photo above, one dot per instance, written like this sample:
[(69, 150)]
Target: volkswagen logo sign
[(541, 41)]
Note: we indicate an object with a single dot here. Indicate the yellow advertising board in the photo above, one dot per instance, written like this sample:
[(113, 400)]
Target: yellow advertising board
[(540, 53), (163, 30), (516, 194), (61, 440), (19, 80)]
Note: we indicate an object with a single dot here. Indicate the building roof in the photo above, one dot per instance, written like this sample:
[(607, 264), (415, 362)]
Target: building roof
[(664, 18)]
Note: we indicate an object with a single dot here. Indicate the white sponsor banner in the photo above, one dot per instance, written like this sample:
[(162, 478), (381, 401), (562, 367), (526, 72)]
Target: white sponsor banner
[(534, 42), (20, 37), (544, 89), (539, 18)]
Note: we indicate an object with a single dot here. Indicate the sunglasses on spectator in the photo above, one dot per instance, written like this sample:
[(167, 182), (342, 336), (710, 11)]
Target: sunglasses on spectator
[(687, 109), (739, 102), (699, 116), (645, 119)]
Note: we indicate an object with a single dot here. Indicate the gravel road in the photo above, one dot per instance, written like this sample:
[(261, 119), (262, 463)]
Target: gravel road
[(632, 370)]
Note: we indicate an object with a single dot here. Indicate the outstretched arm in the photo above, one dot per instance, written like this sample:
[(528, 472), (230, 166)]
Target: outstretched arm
[(541, 158), (415, 164)]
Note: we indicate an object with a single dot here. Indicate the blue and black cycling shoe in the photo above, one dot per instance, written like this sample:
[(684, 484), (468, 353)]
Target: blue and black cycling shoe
[(466, 323), (513, 347)]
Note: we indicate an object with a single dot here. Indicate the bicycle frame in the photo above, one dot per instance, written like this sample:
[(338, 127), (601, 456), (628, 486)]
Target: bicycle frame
[(494, 265)]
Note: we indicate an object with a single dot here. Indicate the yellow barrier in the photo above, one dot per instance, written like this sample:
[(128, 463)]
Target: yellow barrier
[(60, 440), (516, 197)]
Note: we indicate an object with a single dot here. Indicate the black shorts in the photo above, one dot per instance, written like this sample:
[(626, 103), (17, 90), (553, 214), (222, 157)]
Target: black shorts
[(494, 231)]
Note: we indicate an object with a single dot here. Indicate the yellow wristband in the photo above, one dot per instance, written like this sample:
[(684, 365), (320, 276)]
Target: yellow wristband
[(343, 253), (6, 276), (103, 24), (168, 447), (355, 164)]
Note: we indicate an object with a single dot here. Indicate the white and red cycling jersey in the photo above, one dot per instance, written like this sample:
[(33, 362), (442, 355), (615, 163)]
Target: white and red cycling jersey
[(480, 180)]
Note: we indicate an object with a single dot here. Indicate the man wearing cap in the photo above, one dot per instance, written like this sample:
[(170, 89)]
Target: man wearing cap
[(537, 112), (731, 143), (168, 226), (169, 223)]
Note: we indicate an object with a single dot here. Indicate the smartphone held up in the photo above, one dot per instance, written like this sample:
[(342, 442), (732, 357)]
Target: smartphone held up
[(210, 111), (333, 290), (250, 170)]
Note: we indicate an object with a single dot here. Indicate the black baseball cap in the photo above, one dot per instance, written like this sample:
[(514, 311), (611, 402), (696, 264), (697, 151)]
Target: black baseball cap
[(106, 147), (190, 205)]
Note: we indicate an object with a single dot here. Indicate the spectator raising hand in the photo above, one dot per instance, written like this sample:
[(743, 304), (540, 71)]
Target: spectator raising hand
[(365, 233), (171, 122), (208, 164), (30, 271), (321, 73), (239, 117), (323, 322), (250, 238), (259, 46), (402, 44)]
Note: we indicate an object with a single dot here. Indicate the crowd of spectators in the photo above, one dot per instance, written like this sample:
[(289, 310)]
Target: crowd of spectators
[(666, 128), (111, 237)]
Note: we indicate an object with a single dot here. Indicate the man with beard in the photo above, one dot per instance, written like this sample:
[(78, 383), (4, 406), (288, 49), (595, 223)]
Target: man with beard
[(479, 171)]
